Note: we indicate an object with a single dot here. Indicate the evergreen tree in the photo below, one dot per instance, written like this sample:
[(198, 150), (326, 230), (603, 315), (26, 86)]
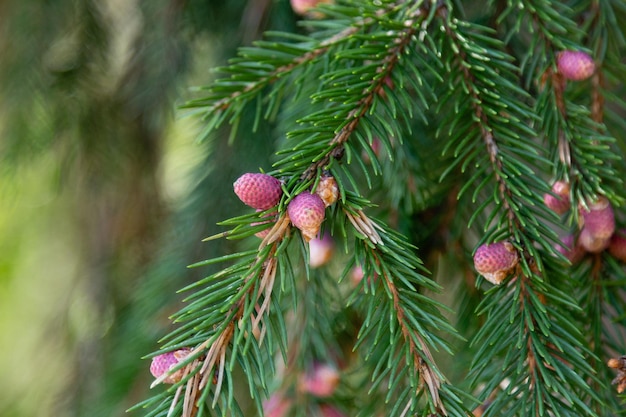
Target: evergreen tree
[(436, 191), (453, 162)]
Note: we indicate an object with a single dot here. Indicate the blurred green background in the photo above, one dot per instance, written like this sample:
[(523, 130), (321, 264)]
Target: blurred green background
[(105, 193)]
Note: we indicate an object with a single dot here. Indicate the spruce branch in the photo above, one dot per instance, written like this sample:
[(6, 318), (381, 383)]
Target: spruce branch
[(396, 273), (569, 128), (267, 63), (525, 304), (377, 69)]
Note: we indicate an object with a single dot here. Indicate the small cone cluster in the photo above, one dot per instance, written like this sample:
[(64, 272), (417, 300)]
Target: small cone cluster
[(162, 364), (260, 191), (495, 261), (307, 212), (597, 226), (575, 65)]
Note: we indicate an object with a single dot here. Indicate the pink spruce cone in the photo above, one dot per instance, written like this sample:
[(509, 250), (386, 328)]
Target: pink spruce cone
[(260, 191), (495, 261), (306, 212), (320, 251), (558, 201), (166, 361), (327, 190), (575, 65), (617, 245), (571, 249), (598, 225), (321, 381)]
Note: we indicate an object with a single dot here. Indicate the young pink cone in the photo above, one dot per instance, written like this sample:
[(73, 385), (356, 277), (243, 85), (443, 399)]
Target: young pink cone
[(320, 251), (571, 249), (559, 201), (260, 191), (495, 261), (166, 361), (321, 381), (617, 245), (306, 212), (598, 225), (575, 65)]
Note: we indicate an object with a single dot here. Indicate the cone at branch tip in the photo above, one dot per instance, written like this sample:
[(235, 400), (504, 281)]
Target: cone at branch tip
[(260, 191), (495, 261), (162, 364), (307, 212)]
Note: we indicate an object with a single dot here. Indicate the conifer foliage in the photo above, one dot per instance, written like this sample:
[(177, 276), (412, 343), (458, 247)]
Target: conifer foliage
[(409, 135)]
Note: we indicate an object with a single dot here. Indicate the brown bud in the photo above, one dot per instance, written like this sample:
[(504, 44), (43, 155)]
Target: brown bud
[(617, 363), (495, 261), (327, 190)]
